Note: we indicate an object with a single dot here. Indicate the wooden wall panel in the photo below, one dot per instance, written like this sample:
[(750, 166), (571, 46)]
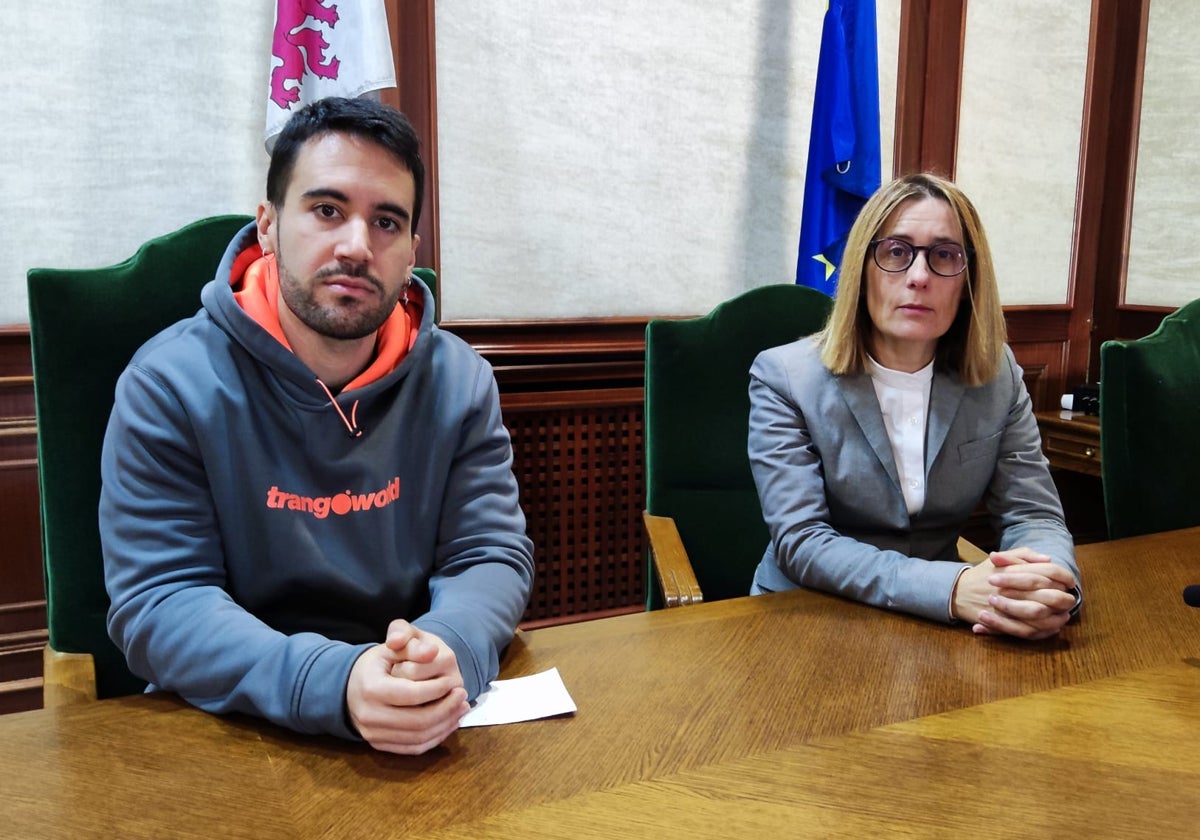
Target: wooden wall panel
[(1108, 166), (928, 86), (579, 460), (1043, 365), (571, 392), (412, 26), (22, 599)]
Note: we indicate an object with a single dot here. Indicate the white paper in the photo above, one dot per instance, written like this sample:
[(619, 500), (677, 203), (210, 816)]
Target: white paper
[(523, 698)]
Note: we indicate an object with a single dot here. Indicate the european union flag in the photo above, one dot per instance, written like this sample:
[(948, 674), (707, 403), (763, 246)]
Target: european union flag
[(843, 146)]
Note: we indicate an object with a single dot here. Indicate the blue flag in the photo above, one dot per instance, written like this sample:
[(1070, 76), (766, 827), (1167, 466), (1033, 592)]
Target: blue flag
[(843, 147)]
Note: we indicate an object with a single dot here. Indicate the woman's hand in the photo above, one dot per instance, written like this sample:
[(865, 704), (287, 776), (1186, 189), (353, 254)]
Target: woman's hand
[(1017, 593)]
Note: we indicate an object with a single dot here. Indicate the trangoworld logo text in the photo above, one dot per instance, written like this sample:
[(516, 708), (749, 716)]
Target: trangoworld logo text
[(341, 504)]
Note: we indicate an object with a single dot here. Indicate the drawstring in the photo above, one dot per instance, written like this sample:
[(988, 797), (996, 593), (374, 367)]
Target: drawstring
[(352, 423)]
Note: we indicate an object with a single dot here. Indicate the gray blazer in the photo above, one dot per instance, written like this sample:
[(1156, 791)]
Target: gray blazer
[(831, 494)]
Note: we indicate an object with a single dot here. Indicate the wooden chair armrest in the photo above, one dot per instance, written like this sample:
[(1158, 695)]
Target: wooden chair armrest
[(968, 552), (67, 678), (674, 571), (670, 561)]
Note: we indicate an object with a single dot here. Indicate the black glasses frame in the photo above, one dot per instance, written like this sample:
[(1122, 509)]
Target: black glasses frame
[(912, 257)]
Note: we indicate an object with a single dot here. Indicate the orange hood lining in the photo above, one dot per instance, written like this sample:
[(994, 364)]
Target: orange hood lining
[(255, 281)]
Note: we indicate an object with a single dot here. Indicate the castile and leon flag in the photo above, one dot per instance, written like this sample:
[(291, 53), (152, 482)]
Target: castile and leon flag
[(326, 48)]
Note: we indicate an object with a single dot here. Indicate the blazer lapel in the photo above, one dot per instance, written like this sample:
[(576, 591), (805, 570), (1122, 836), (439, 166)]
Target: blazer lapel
[(944, 399), (859, 394)]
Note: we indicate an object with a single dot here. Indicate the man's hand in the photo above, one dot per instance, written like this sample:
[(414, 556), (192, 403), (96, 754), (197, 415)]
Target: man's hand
[(1017, 593), (406, 695)]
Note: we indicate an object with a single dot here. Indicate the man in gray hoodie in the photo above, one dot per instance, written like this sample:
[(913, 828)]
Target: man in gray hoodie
[(308, 508)]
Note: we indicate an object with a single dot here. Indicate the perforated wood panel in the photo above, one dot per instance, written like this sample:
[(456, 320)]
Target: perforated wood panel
[(580, 468)]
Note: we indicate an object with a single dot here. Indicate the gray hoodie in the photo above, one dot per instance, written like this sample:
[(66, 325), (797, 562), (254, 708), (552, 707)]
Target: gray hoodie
[(253, 548)]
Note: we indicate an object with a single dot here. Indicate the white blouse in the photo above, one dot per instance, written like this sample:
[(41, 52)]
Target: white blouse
[(904, 401)]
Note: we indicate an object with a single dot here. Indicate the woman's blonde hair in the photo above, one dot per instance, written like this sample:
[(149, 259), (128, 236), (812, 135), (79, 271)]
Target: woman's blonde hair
[(973, 345)]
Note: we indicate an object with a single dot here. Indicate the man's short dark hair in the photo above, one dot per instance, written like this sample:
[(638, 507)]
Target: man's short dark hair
[(365, 119)]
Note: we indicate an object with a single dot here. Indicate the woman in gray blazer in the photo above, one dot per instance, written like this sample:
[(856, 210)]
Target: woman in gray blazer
[(874, 440)]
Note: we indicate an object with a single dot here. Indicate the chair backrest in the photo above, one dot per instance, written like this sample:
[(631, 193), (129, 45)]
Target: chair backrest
[(85, 326), (1150, 427), (430, 278), (697, 418)]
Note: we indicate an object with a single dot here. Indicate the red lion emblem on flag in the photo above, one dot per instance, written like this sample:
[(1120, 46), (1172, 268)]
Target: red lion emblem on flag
[(300, 47)]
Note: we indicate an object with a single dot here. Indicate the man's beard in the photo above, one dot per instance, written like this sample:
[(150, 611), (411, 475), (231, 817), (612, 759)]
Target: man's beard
[(352, 320)]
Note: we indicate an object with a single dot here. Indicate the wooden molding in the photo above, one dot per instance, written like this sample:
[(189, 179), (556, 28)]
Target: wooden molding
[(23, 624), (414, 48), (1108, 155), (1037, 323), (1137, 321), (928, 86), (599, 352), (574, 336)]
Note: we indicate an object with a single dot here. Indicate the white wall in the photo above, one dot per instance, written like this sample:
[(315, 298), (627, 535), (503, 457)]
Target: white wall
[(625, 158), (124, 122), (1024, 70), (606, 159), (1164, 241)]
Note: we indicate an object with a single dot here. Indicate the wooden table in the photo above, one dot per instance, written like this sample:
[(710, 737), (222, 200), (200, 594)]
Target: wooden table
[(796, 714)]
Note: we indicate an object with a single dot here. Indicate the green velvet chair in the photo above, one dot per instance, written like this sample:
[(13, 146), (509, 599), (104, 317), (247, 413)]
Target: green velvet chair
[(703, 518), (85, 326), (1150, 427)]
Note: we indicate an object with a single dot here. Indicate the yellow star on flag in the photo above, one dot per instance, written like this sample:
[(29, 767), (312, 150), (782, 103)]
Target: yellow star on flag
[(829, 267)]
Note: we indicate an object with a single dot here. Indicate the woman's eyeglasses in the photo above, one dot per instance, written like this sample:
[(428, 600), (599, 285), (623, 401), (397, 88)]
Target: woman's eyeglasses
[(946, 259)]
